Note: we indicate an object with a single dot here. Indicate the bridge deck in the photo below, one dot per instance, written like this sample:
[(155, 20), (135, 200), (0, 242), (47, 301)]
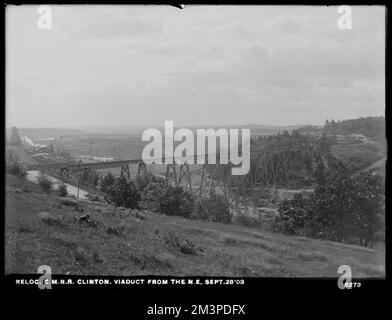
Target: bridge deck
[(81, 166), (73, 167)]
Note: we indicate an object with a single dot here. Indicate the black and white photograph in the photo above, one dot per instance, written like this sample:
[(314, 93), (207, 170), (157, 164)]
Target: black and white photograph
[(212, 141)]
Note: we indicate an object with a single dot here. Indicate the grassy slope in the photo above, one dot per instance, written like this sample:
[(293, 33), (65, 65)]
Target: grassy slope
[(222, 250), (357, 156)]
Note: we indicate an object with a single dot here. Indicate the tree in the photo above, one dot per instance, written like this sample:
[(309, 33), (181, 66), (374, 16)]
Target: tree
[(343, 209), (319, 173), (174, 201), (62, 190), (105, 182), (123, 193), (213, 208), (45, 182)]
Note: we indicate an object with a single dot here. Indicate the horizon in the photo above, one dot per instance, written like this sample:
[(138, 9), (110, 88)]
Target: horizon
[(191, 126)]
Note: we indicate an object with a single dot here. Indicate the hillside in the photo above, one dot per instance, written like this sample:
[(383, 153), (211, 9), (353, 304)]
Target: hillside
[(357, 157), (370, 127), (42, 229)]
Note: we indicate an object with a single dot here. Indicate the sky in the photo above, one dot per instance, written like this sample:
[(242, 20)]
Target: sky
[(219, 65)]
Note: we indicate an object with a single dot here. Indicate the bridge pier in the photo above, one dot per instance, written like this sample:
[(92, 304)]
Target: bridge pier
[(171, 173), (181, 178), (184, 178), (219, 177), (125, 172), (142, 169)]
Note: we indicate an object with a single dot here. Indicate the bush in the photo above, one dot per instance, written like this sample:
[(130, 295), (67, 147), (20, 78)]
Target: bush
[(150, 195), (45, 182), (123, 193), (292, 215), (17, 170), (62, 190), (185, 246), (167, 199), (213, 208), (106, 181), (88, 178), (142, 181), (174, 201), (344, 209)]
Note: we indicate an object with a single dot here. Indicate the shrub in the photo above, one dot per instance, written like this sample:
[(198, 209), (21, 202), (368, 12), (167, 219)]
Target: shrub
[(186, 246), (170, 238), (17, 170), (150, 195), (62, 190), (292, 215), (105, 181), (213, 208), (89, 178), (123, 193), (142, 181), (174, 200), (167, 199), (45, 183), (342, 210)]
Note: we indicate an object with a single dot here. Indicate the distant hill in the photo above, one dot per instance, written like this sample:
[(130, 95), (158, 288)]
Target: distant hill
[(371, 127), (45, 133), (259, 130), (256, 129)]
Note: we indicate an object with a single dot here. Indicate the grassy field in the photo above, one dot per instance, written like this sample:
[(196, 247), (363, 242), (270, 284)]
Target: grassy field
[(40, 229)]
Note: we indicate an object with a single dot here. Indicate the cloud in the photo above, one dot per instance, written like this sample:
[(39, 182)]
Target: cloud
[(242, 64)]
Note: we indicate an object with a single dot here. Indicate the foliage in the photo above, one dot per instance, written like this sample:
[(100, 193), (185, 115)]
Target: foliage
[(308, 155), (45, 182), (343, 209), (123, 193), (105, 181), (174, 201), (62, 190), (150, 195), (156, 195), (319, 173), (142, 181), (17, 170), (212, 208), (89, 178), (186, 246), (372, 127)]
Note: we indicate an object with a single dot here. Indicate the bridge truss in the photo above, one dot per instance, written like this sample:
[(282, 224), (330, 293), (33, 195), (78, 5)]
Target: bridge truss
[(198, 179)]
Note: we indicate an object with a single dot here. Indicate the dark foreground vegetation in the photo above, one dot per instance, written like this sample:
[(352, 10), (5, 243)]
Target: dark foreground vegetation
[(344, 209), (94, 238)]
